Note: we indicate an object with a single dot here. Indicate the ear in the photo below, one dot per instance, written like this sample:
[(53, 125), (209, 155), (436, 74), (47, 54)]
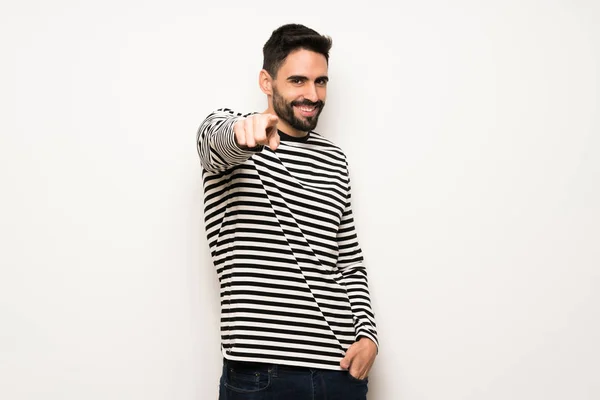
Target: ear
[(265, 82)]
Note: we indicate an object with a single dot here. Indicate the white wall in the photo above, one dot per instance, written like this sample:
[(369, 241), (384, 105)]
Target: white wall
[(472, 130)]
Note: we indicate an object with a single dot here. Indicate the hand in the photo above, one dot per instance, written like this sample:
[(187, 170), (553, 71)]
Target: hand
[(257, 129), (360, 358)]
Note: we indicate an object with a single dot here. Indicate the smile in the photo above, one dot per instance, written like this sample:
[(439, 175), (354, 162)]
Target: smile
[(307, 111)]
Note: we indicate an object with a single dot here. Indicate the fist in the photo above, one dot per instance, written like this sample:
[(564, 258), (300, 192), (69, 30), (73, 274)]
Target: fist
[(257, 129)]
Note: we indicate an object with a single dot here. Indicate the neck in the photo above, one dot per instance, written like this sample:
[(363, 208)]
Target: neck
[(284, 126)]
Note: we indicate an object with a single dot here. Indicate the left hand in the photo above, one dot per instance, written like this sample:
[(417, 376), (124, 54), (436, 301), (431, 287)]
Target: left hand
[(360, 358)]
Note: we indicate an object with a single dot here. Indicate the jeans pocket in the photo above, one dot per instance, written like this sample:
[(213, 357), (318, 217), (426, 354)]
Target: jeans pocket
[(247, 380), (352, 378)]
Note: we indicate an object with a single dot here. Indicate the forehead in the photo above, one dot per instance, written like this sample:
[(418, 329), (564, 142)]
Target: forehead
[(303, 63)]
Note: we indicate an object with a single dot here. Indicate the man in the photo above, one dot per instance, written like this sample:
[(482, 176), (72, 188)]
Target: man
[(296, 318)]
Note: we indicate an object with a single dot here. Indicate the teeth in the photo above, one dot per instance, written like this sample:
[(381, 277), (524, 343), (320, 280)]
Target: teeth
[(307, 109)]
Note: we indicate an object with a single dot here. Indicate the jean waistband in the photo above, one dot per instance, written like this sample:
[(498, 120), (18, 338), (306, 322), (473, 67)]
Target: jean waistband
[(264, 366)]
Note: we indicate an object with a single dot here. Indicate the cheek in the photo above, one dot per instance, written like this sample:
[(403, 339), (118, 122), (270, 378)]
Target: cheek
[(322, 93), (296, 95), (287, 97), (292, 93)]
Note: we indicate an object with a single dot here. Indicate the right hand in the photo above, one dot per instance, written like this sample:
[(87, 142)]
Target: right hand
[(257, 129)]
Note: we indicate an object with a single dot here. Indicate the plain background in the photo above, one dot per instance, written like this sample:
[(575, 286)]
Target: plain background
[(473, 134)]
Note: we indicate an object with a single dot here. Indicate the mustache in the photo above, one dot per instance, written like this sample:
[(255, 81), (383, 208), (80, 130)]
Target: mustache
[(309, 103)]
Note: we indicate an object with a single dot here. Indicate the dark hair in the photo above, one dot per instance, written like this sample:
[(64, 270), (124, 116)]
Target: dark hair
[(288, 38)]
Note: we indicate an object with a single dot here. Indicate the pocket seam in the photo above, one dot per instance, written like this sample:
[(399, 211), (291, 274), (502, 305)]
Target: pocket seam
[(239, 390)]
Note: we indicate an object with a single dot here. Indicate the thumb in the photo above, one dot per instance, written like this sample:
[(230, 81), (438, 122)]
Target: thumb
[(347, 360)]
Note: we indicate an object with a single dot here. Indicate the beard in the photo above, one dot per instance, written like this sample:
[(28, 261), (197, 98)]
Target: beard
[(285, 111)]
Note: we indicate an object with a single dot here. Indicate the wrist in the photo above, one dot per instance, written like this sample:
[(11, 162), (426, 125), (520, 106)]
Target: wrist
[(368, 342), (364, 339)]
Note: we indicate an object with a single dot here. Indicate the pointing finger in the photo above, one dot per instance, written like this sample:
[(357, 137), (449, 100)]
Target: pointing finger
[(273, 120), (274, 142)]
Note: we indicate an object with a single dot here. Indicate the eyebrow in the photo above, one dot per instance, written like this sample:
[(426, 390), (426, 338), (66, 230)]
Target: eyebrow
[(304, 78)]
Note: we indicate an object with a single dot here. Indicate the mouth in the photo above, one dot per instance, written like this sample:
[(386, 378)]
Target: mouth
[(307, 111)]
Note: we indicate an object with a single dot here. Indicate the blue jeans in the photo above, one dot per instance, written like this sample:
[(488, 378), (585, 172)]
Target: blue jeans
[(257, 381)]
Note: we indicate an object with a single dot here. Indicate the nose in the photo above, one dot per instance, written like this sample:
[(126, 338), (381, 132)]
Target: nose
[(311, 93)]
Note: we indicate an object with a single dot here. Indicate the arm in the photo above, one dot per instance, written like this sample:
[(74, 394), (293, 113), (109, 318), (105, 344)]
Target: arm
[(354, 274), (216, 143)]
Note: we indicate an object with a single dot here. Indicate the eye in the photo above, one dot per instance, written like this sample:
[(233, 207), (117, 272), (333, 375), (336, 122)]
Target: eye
[(321, 82)]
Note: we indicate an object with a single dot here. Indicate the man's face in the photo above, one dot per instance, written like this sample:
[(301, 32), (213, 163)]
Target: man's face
[(300, 89)]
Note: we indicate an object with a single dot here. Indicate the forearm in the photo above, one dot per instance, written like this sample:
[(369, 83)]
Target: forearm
[(354, 274), (354, 279)]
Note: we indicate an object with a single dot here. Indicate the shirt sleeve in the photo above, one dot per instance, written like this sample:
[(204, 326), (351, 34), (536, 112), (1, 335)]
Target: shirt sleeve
[(215, 140), (354, 274)]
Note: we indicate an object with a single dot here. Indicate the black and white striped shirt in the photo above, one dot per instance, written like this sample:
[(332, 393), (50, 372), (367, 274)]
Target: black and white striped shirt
[(281, 235)]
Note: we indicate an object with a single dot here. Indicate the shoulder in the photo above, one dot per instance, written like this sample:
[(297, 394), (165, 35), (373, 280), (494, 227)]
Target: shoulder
[(228, 112), (322, 141)]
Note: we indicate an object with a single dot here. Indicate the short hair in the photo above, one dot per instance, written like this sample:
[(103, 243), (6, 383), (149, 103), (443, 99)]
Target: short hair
[(288, 38)]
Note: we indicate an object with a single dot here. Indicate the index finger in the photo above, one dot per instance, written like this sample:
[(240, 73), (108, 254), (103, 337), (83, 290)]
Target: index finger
[(272, 120)]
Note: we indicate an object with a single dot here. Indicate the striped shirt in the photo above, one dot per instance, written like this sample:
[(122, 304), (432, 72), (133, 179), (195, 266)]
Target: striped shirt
[(281, 235)]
